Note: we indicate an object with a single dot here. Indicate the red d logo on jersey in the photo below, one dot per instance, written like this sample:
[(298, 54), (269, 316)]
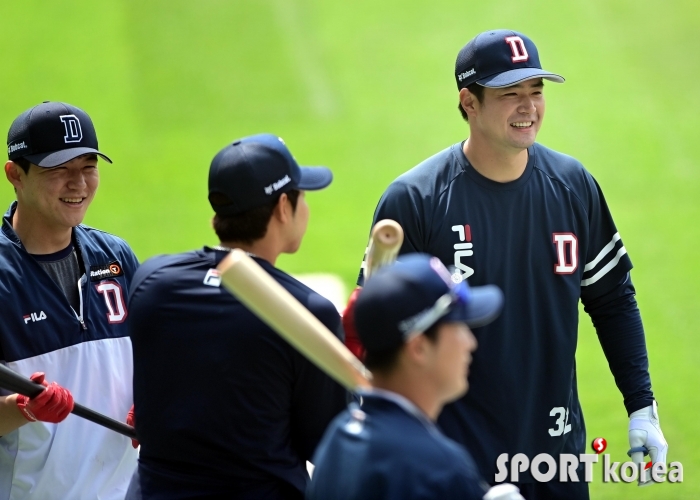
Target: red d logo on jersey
[(517, 46)]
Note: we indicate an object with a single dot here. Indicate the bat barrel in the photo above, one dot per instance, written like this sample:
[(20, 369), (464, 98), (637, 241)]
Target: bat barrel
[(273, 304)]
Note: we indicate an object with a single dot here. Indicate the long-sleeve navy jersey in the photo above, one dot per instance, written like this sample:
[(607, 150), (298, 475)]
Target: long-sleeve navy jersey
[(547, 239), (224, 406), (87, 351)]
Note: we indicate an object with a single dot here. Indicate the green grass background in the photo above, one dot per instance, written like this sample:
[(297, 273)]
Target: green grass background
[(367, 88)]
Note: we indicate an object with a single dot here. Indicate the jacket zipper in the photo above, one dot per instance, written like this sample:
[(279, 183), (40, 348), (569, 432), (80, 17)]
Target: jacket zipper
[(80, 296)]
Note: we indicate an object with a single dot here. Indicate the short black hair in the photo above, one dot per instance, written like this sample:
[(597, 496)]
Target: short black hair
[(478, 91), (249, 226), (385, 361), (23, 163)]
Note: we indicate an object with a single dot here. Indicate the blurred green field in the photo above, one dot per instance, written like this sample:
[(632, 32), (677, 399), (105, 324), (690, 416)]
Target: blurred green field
[(367, 88)]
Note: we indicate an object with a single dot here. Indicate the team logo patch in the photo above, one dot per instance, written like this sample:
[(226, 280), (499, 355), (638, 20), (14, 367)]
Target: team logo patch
[(567, 253), (114, 299), (517, 47), (104, 271), (71, 126)]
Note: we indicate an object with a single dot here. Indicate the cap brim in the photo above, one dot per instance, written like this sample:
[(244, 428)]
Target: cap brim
[(485, 304), (516, 76), (56, 158), (313, 178)]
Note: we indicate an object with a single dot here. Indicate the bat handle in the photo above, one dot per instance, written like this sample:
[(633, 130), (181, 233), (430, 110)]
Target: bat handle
[(31, 389), (104, 421)]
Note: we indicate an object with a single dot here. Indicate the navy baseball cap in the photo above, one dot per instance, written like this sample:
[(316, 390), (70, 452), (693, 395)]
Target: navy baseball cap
[(407, 297), (51, 134), (499, 58), (251, 171)]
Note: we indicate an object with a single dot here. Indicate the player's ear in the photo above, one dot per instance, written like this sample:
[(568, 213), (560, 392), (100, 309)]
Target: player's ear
[(13, 174), (283, 209), (417, 349), (468, 101)]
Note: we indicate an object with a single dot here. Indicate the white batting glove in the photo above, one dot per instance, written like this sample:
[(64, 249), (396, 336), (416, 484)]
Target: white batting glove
[(646, 438), (505, 491)]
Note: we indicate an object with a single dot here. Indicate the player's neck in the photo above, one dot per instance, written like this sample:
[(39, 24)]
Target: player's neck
[(37, 236), (411, 389), (259, 248), (500, 165)]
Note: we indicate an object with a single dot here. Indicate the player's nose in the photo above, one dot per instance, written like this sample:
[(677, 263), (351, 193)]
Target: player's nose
[(76, 179), (469, 340), (527, 106)]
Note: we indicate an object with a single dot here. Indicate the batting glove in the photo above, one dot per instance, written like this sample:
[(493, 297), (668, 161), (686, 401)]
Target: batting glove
[(131, 420), (352, 340), (52, 405), (646, 438), (505, 491)]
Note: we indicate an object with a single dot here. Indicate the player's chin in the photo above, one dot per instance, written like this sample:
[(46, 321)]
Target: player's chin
[(524, 141), (460, 390), (72, 216)]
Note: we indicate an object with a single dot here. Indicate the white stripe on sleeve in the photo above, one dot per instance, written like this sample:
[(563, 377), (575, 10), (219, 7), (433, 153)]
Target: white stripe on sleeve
[(622, 251), (605, 251)]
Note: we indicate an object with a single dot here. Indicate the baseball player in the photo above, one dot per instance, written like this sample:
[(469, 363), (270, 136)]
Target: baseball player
[(224, 407), (413, 321), (506, 210), (63, 306)]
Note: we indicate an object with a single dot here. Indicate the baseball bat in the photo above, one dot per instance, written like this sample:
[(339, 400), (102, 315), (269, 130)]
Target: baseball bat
[(15, 382), (273, 304), (384, 245)]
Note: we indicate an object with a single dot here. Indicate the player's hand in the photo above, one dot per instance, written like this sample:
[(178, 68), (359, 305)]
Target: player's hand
[(352, 340), (646, 438), (505, 491), (131, 420), (52, 405)]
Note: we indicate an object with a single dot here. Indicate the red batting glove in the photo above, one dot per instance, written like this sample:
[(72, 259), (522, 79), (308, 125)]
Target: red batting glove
[(52, 405), (131, 420), (352, 340)]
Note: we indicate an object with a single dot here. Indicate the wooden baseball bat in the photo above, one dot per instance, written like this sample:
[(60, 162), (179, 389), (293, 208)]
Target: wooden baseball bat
[(384, 245), (263, 295), (13, 381)]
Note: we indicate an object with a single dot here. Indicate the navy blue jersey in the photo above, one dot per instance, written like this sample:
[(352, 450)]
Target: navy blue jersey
[(547, 240), (224, 406), (389, 450)]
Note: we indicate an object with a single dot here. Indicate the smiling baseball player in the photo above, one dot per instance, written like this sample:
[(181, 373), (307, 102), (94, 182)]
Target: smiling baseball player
[(506, 210), (63, 310)]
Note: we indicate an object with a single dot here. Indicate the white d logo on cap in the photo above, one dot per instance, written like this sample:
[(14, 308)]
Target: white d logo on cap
[(71, 124)]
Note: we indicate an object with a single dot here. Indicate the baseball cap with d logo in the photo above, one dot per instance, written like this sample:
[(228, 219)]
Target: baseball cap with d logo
[(499, 58), (51, 134)]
